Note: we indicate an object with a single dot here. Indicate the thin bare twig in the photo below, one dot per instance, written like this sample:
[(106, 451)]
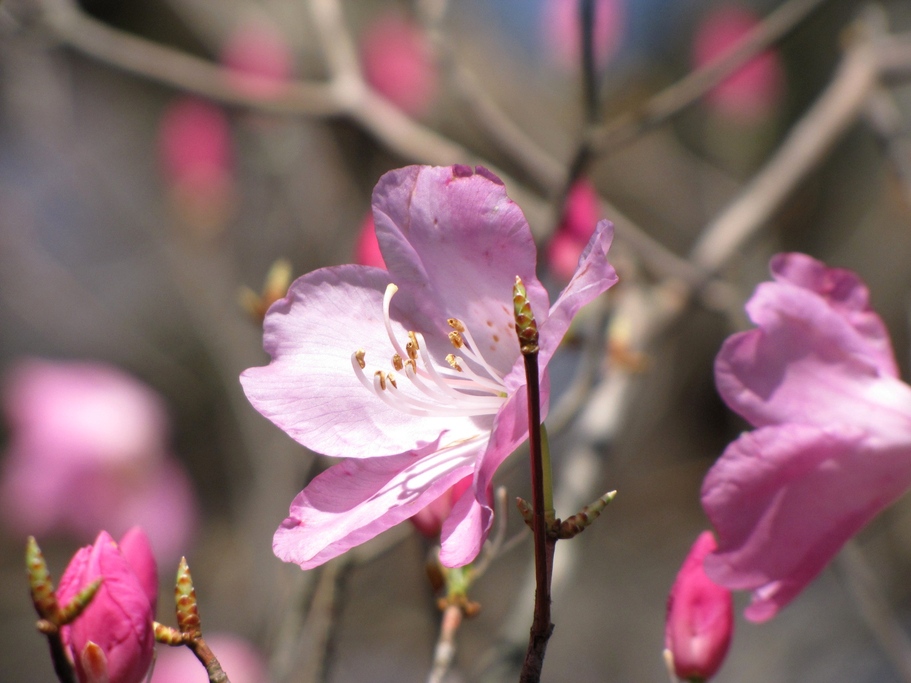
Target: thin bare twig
[(662, 106), (445, 649)]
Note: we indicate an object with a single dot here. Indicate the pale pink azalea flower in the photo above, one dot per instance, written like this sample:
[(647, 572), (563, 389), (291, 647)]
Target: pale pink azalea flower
[(700, 617), (239, 659), (88, 450), (367, 250), (753, 92), (562, 35), (453, 243), (197, 161), (572, 235), (258, 60), (832, 444), (112, 641), (398, 63)]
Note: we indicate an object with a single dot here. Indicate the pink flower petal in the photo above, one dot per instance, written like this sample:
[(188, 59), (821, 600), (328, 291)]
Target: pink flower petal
[(454, 243), (353, 501), (137, 551), (784, 500), (808, 363)]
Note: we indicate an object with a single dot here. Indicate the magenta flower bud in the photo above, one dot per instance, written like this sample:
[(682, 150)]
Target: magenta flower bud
[(580, 216), (367, 250), (700, 617), (429, 521), (112, 640)]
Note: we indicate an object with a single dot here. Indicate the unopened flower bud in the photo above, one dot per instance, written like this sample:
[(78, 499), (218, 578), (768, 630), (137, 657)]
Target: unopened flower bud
[(700, 617), (111, 640)]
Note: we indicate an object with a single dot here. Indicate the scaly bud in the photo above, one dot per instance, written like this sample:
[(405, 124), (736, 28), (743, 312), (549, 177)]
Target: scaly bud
[(167, 635), (526, 327), (526, 511), (80, 601), (576, 524), (185, 597), (40, 583)]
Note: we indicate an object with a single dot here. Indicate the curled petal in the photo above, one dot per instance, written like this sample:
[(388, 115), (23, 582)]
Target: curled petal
[(807, 363), (784, 499), (846, 294), (353, 501)]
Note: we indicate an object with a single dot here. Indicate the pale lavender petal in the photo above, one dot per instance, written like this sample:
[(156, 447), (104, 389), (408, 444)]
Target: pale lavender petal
[(594, 275), (806, 363), (467, 527), (844, 291), (783, 501), (310, 389), (353, 501), (454, 243)]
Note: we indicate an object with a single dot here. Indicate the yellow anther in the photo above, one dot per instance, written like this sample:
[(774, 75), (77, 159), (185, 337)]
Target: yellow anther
[(411, 364), (451, 359), (456, 324), (411, 348), (397, 362), (391, 379), (359, 357), (382, 378), (456, 339)]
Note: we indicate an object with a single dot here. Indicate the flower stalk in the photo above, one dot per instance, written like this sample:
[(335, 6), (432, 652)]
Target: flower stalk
[(542, 500)]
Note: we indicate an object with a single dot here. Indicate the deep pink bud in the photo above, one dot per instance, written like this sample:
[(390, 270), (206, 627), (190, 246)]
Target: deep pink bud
[(367, 249), (259, 61), (429, 521), (700, 617), (112, 639), (756, 89), (580, 216)]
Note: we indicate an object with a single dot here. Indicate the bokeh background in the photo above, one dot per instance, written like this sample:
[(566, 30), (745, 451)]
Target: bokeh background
[(140, 194)]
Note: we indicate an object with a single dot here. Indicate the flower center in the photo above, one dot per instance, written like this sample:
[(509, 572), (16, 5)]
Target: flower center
[(466, 386)]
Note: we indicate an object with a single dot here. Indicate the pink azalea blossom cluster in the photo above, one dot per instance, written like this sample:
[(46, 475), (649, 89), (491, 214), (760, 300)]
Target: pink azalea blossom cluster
[(258, 61), (754, 91), (112, 641), (832, 444), (413, 374), (700, 617), (398, 63), (88, 450), (561, 31)]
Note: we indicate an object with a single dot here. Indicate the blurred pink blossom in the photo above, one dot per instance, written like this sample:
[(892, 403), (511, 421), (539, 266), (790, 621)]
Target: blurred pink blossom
[(561, 32), (579, 219), (197, 160), (832, 444), (258, 60), (753, 92), (238, 658), (453, 243), (88, 450), (700, 617), (398, 63), (367, 249), (112, 641)]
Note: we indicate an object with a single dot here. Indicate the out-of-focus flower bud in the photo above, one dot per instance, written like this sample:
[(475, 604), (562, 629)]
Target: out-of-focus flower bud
[(112, 640), (700, 617), (429, 521), (258, 59), (398, 63), (579, 219), (197, 161), (367, 249), (238, 658), (562, 34), (88, 449), (753, 92)]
